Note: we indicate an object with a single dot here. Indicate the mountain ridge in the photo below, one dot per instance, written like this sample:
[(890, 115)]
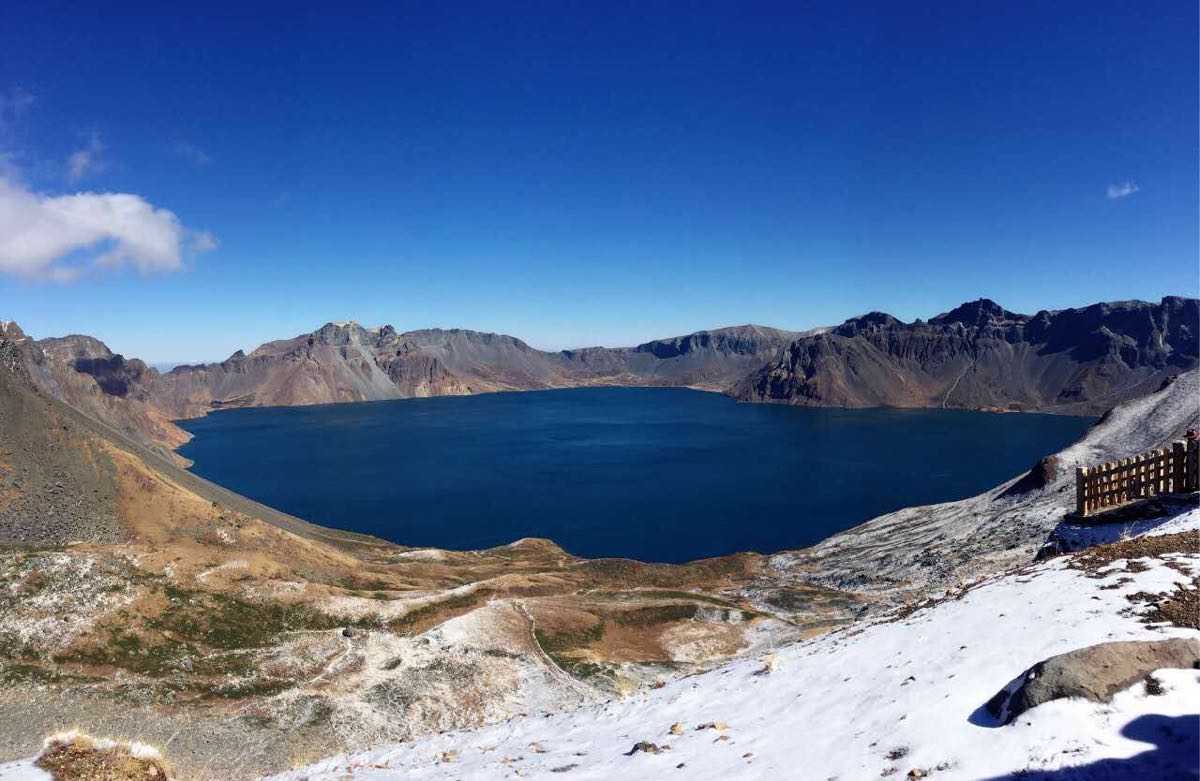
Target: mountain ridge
[(977, 355), (980, 355)]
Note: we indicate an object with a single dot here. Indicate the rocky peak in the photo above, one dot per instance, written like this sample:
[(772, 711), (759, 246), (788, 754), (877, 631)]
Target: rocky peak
[(337, 333), (74, 347), (977, 313), (10, 331), (735, 340), (868, 322)]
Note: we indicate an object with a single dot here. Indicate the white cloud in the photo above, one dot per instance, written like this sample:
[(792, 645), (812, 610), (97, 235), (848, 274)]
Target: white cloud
[(202, 241), (59, 238), (192, 153), (86, 161), (1118, 191)]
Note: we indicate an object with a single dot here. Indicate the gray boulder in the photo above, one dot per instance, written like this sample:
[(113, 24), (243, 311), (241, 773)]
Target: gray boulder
[(1095, 673)]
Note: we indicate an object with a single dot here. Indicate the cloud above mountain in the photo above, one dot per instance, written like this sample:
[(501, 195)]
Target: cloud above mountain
[(64, 237)]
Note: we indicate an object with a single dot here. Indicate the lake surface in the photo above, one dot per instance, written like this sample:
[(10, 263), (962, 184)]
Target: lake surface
[(658, 474)]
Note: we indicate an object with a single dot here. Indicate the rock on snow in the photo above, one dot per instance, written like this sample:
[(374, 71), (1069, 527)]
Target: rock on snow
[(891, 697)]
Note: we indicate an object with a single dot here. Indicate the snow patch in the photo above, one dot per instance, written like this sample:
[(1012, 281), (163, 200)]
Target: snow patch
[(868, 701)]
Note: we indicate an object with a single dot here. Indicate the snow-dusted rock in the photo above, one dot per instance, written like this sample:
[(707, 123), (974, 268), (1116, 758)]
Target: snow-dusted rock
[(894, 696)]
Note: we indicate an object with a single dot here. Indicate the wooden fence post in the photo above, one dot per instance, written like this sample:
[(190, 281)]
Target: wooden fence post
[(1192, 476), (1178, 467), (1081, 505)]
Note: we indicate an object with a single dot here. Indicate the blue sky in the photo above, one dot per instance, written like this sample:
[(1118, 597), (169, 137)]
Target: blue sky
[(585, 173)]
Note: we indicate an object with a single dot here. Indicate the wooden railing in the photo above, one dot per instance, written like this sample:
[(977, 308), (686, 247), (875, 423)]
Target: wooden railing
[(1174, 469)]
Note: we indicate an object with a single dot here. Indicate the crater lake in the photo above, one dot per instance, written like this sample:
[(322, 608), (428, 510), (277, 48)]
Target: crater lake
[(656, 474)]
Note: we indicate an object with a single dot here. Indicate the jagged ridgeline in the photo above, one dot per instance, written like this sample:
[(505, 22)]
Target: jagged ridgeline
[(981, 356), (977, 356)]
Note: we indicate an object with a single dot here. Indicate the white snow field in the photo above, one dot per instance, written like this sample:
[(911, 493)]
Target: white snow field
[(901, 697)]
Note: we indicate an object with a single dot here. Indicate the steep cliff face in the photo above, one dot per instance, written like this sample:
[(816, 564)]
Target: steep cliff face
[(115, 374), (339, 362), (84, 373), (712, 360), (980, 355)]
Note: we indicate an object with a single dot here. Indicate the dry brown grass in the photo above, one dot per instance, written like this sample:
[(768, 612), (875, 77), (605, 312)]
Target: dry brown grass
[(1154, 547), (74, 756), (1181, 607)]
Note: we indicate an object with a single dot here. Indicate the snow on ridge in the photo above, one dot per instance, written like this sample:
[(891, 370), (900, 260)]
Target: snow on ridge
[(867, 701)]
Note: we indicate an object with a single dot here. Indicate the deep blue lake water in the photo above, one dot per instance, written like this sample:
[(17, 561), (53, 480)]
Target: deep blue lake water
[(658, 474)]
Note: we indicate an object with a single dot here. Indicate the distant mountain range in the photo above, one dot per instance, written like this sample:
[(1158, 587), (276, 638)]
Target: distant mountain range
[(977, 356), (342, 362)]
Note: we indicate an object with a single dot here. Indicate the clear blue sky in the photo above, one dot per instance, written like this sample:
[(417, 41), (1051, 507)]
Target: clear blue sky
[(598, 173)]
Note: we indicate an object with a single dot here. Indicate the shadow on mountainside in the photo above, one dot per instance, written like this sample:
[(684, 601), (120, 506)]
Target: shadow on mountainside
[(1176, 742)]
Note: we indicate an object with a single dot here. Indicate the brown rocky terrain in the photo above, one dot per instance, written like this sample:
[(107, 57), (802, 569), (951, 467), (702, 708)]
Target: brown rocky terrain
[(137, 598), (981, 356), (82, 372)]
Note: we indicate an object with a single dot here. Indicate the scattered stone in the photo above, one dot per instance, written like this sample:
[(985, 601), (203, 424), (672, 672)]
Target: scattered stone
[(536, 748), (717, 725), (1041, 475), (643, 746), (348, 632), (676, 728), (449, 756)]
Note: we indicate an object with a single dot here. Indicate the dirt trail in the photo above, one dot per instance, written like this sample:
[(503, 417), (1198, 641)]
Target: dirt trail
[(585, 691)]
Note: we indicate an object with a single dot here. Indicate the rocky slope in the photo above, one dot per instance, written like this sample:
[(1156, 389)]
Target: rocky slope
[(916, 550), (980, 355), (247, 637), (85, 374)]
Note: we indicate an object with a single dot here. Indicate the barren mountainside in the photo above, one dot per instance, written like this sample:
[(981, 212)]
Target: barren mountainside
[(82, 372), (977, 356), (980, 355), (342, 362)]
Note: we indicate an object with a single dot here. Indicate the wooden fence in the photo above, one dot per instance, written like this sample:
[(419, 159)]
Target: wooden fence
[(1174, 469)]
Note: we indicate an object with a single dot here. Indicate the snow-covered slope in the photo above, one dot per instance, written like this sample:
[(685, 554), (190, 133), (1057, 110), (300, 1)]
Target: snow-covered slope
[(913, 550), (900, 696)]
